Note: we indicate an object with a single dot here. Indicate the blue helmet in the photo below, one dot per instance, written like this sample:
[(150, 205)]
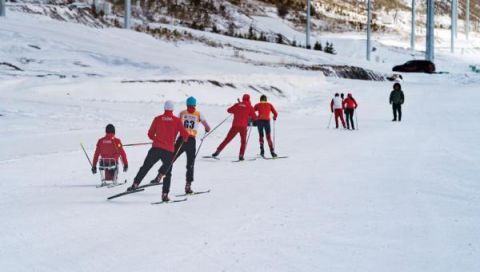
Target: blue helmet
[(191, 101)]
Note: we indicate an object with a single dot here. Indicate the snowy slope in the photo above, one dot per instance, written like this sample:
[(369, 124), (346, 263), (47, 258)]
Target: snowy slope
[(388, 197)]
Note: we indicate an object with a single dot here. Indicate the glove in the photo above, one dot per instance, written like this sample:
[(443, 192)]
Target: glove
[(125, 168), (207, 130), (94, 170), (274, 118)]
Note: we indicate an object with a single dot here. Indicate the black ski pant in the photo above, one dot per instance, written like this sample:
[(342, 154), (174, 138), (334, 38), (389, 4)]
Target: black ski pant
[(264, 128), (190, 148), (154, 155), (397, 109), (349, 114)]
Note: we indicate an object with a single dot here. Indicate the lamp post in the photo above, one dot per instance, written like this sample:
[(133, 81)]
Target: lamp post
[(452, 27), (467, 20), (412, 34), (2, 8), (308, 24), (369, 29), (430, 43), (128, 13)]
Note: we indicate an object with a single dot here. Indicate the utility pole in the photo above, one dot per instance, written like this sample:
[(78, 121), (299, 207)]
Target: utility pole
[(2, 8), (455, 12), (308, 25), (467, 20), (430, 45), (369, 29), (452, 27), (128, 13), (412, 38)]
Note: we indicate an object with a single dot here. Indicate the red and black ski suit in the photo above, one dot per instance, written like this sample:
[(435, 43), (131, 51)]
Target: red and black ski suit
[(109, 148), (350, 105), (242, 113), (265, 110), (162, 132)]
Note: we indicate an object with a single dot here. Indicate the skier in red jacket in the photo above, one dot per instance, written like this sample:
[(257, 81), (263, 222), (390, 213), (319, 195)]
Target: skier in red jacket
[(349, 104), (242, 113), (265, 110), (162, 132), (109, 150)]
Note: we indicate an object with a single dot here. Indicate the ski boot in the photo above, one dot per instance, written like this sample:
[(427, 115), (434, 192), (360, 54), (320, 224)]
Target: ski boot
[(262, 151), (188, 188), (241, 158), (133, 187), (274, 155), (165, 197), (215, 155)]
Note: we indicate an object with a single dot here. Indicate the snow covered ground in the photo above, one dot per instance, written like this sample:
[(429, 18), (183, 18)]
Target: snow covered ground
[(388, 197)]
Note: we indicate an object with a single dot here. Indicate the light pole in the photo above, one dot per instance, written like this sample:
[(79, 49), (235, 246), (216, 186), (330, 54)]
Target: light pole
[(455, 13), (467, 20), (430, 44), (128, 13), (308, 25), (2, 8), (412, 38), (452, 27), (369, 29)]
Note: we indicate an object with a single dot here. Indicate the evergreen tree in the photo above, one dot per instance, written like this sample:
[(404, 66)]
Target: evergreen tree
[(317, 46)]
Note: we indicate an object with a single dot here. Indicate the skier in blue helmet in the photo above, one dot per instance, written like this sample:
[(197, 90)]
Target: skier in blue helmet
[(191, 118)]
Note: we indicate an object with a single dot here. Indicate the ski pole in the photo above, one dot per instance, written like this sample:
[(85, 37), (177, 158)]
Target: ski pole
[(356, 120), (88, 158), (248, 137), (217, 126), (208, 134), (136, 144), (274, 134), (175, 156), (329, 122), (200, 145)]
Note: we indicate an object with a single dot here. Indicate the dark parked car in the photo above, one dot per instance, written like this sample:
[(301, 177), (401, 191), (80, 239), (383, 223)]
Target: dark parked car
[(416, 66)]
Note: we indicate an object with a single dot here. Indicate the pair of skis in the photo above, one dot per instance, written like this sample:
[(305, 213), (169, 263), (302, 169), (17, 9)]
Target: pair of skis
[(142, 188), (138, 189), (250, 159), (182, 199)]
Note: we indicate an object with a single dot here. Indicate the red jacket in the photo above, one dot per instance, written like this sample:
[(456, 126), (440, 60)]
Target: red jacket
[(350, 103), (264, 109), (109, 147), (164, 130), (242, 111)]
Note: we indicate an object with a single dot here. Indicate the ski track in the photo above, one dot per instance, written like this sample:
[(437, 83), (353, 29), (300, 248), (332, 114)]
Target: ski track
[(346, 196)]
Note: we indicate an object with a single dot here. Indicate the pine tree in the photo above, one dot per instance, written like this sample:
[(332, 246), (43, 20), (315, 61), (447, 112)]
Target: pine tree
[(280, 38), (317, 46)]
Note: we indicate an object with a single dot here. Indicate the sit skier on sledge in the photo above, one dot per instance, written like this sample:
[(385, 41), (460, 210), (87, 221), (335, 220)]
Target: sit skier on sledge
[(191, 119), (265, 110), (242, 113), (109, 149), (163, 131)]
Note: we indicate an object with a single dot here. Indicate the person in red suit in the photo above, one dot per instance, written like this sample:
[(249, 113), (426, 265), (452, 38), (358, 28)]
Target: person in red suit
[(163, 131), (265, 110), (242, 112), (109, 149), (349, 104)]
